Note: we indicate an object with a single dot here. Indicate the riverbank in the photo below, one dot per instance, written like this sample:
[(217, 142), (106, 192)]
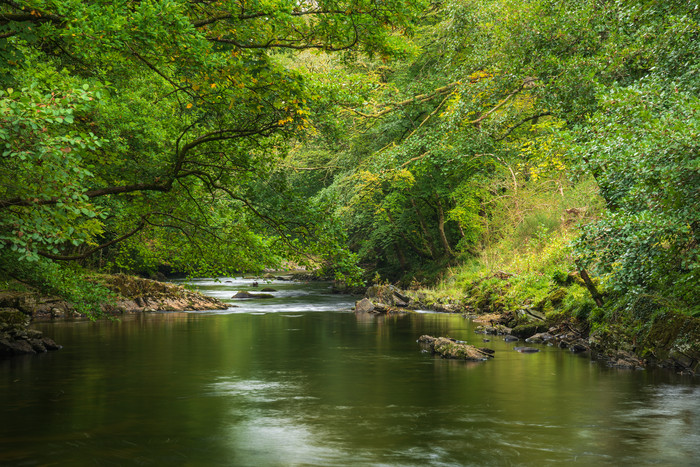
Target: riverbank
[(535, 296), (128, 294)]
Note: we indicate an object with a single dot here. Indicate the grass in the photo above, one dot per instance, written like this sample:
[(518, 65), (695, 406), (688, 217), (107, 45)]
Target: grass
[(524, 256)]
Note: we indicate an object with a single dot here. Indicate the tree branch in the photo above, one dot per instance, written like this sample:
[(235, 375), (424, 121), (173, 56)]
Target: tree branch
[(526, 84), (420, 98), (243, 17), (511, 129), (97, 248)]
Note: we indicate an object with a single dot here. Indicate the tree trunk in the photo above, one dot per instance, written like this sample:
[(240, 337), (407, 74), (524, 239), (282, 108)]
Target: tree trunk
[(400, 255), (441, 228), (591, 287), (427, 238)]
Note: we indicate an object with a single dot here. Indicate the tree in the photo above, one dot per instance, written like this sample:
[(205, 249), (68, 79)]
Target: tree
[(159, 123), (642, 145)]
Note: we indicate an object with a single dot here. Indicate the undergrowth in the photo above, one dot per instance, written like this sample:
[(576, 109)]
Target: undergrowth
[(525, 258)]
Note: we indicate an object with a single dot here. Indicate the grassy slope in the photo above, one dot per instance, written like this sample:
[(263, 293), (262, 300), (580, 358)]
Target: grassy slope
[(526, 263)]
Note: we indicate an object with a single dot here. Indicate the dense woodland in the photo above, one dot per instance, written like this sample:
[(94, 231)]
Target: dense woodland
[(426, 142)]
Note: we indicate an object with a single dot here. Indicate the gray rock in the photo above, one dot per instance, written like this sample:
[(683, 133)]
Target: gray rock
[(10, 347), (244, 294), (364, 306), (539, 338)]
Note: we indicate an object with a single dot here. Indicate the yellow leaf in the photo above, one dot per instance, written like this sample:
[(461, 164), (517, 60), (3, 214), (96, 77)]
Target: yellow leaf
[(189, 106)]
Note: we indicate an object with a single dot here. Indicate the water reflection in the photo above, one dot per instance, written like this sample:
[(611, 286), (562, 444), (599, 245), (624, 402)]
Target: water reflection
[(335, 388)]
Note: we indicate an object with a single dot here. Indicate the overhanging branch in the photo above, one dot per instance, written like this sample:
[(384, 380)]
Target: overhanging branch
[(93, 250)]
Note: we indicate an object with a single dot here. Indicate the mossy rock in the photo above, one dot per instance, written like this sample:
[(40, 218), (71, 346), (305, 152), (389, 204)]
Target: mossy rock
[(561, 278), (11, 317), (449, 348), (558, 296), (524, 331)]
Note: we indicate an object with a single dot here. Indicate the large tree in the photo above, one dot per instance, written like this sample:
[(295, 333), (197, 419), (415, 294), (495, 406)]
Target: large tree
[(157, 125)]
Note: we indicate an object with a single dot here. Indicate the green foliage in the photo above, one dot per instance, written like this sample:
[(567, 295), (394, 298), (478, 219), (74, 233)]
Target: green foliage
[(44, 205), (151, 131), (67, 281), (406, 136), (642, 147)]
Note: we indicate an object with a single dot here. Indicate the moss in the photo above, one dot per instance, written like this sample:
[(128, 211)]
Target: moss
[(556, 297), (524, 331), (12, 317)]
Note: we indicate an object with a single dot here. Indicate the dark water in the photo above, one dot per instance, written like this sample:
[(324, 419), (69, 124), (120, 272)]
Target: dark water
[(272, 383)]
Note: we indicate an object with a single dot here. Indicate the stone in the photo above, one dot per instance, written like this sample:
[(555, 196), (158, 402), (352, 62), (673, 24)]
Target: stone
[(50, 344), (9, 347), (37, 345), (243, 294), (524, 331), (450, 348), (364, 306), (539, 338), (526, 349)]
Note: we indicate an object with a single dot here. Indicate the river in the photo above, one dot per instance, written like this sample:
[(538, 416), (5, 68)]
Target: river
[(301, 380)]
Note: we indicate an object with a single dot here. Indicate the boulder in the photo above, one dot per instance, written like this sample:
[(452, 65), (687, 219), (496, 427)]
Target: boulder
[(17, 339), (243, 294), (11, 347), (539, 338), (524, 331), (451, 348), (364, 306), (388, 295)]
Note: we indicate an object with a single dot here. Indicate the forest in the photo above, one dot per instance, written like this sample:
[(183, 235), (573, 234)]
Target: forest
[(443, 145)]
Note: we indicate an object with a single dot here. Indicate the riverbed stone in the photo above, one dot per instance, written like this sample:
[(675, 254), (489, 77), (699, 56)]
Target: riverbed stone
[(12, 347), (452, 349), (364, 306), (539, 338), (524, 331), (244, 294)]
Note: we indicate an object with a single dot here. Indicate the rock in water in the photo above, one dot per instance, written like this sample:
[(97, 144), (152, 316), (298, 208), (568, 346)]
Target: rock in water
[(17, 339), (449, 348), (244, 294), (364, 306), (526, 349)]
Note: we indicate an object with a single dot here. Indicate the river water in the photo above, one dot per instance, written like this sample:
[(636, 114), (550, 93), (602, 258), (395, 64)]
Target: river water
[(301, 380)]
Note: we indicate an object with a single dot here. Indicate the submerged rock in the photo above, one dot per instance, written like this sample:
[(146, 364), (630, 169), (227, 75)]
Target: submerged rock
[(243, 294), (450, 348), (526, 349)]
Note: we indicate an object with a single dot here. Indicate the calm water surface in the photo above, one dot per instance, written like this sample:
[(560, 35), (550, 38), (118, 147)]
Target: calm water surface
[(301, 380)]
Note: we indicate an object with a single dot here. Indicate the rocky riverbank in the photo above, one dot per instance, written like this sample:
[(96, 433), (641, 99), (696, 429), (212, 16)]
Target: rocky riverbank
[(130, 295), (671, 340)]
